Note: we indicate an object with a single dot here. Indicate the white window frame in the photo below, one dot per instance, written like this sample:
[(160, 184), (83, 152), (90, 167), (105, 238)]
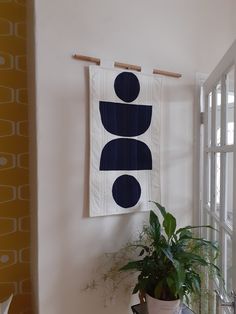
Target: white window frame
[(202, 149)]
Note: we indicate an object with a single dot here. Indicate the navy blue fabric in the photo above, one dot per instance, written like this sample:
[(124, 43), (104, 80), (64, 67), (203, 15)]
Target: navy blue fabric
[(124, 119), (126, 191), (127, 86), (126, 154)]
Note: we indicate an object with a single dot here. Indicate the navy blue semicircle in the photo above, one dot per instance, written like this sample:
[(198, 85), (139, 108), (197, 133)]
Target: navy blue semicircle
[(124, 119), (126, 154), (126, 191), (127, 86)]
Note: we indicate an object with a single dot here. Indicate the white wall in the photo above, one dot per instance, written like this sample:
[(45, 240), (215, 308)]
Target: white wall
[(180, 35), (233, 17)]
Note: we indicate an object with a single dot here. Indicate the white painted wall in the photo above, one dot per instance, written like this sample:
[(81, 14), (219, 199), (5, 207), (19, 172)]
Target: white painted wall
[(180, 35), (233, 17)]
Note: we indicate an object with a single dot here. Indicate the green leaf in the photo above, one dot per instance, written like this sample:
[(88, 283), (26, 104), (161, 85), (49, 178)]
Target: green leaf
[(136, 289), (169, 224), (195, 227), (155, 227), (153, 220), (193, 258), (181, 276), (202, 240), (184, 233), (161, 208), (175, 238), (158, 289), (217, 270), (172, 285), (196, 281), (168, 254), (143, 283), (142, 252), (132, 265), (170, 281)]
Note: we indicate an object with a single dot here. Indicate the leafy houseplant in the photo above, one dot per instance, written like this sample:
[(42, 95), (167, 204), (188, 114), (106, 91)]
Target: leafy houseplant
[(170, 259)]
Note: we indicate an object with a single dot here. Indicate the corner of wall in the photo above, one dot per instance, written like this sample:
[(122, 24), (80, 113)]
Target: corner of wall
[(31, 56)]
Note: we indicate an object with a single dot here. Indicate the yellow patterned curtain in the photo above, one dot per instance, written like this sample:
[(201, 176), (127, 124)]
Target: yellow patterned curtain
[(14, 157)]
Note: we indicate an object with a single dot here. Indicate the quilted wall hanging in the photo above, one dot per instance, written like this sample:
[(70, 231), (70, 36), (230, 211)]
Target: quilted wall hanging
[(124, 141)]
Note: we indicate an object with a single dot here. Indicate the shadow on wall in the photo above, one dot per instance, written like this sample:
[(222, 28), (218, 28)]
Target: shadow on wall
[(86, 150), (177, 144)]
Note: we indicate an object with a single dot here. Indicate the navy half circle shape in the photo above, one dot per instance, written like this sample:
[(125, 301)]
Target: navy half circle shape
[(125, 119), (126, 154)]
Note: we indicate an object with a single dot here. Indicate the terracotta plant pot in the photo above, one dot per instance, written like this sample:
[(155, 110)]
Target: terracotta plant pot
[(156, 306)]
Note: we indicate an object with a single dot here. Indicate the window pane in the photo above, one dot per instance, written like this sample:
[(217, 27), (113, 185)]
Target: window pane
[(227, 311), (229, 264), (209, 118), (216, 238), (208, 230), (229, 188), (217, 183), (230, 108), (208, 199), (218, 114)]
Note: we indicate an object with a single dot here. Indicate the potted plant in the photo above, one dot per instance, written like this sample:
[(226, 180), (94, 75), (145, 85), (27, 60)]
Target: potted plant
[(170, 263)]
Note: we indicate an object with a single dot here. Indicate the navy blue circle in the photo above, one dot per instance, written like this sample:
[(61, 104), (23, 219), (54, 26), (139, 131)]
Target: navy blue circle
[(127, 86), (126, 191)]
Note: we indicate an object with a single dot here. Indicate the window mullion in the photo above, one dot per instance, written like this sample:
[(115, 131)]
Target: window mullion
[(222, 175), (205, 163), (234, 187), (213, 155)]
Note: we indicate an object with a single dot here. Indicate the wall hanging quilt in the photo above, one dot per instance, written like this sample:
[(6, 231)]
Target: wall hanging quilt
[(124, 141)]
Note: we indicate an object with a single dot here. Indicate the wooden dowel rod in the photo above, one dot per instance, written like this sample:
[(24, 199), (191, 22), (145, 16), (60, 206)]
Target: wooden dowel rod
[(127, 66), (86, 58), (166, 73)]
